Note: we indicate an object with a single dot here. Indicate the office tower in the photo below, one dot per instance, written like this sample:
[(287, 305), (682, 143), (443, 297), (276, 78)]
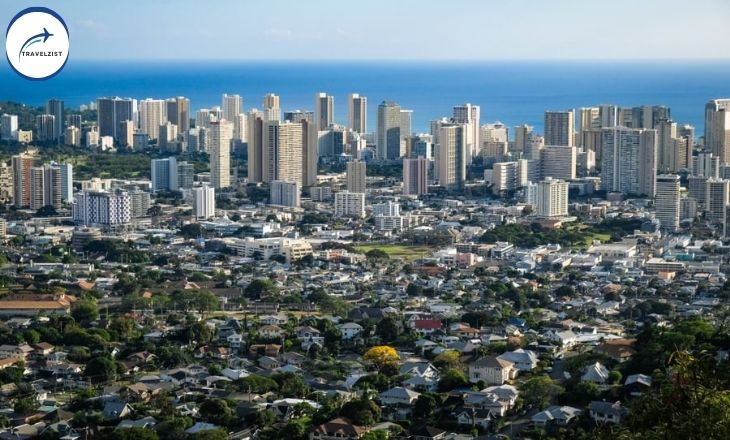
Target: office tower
[(101, 208), (717, 198), (221, 133), (203, 118), (629, 158), (717, 129), (6, 183), (552, 198), (73, 121), (284, 193), (415, 176), (667, 201), (45, 186), (469, 114), (388, 139), (421, 145), (152, 114), (232, 106), (406, 123), (590, 119), (357, 115), (45, 125), (356, 176), (112, 111), (523, 134), (697, 189), (349, 204), (272, 107), (8, 127), (167, 140), (72, 136), (558, 162), (324, 110), (255, 147), (178, 113), (452, 156), (164, 174), (66, 183), (706, 164), (299, 116), (559, 126), (126, 134), (283, 148), (204, 202), (55, 107), (609, 115), (21, 165), (185, 175)]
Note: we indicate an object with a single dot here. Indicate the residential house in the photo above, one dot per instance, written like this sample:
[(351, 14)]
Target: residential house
[(524, 360), (340, 428), (350, 330), (559, 415), (606, 412), (491, 370), (596, 373)]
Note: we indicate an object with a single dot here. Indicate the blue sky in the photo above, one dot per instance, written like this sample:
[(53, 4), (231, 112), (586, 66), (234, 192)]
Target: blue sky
[(392, 29)]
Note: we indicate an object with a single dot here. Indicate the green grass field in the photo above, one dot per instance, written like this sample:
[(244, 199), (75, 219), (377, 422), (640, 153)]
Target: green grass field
[(398, 251)]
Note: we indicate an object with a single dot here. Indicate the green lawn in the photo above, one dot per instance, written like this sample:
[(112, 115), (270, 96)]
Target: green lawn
[(398, 251)]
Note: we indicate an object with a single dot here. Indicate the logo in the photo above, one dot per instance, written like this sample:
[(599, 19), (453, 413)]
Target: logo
[(36, 43)]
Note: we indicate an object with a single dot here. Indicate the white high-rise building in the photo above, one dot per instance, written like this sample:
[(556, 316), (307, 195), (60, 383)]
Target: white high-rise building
[(272, 108), (629, 161), (509, 176), (349, 204), (356, 176), (469, 114), (357, 115), (102, 208), (558, 162), (388, 208), (168, 140), (667, 201), (152, 114), (283, 193), (67, 185), (559, 127), (204, 202), (415, 176), (45, 124), (164, 174), (232, 106), (203, 118), (72, 136), (717, 198), (240, 127), (283, 148), (590, 119), (717, 129), (706, 165), (8, 127), (324, 111), (45, 186), (452, 156), (552, 198), (221, 133)]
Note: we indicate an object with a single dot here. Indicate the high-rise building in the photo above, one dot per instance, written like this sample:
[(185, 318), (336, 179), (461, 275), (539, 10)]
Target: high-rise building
[(558, 162), (559, 127), (185, 175), (102, 208), (221, 133), (232, 106), (717, 129), (494, 142), (324, 111), (523, 134), (706, 164), (310, 153), (203, 118), (552, 198), (667, 201), (509, 176), (717, 198), (388, 139), (73, 120), (45, 126), (45, 186), (204, 202), (283, 193), (421, 145), (357, 115), (112, 111), (55, 107), (452, 156), (590, 119), (21, 165), (6, 183), (609, 115), (8, 127), (356, 176), (167, 140), (415, 176), (72, 136), (139, 202), (164, 174), (283, 147), (697, 189), (629, 159), (299, 116), (67, 181), (669, 154), (349, 204), (469, 114), (178, 113), (240, 127), (126, 134), (272, 107), (152, 114), (255, 147)]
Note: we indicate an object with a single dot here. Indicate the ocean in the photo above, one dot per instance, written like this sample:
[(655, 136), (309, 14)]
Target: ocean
[(513, 92)]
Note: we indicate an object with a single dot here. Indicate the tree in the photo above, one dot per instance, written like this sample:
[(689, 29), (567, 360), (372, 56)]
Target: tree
[(46, 211), (424, 407), (256, 384), (376, 255), (615, 377), (378, 434), (132, 434), (24, 406), (363, 412), (85, 310), (448, 359), (382, 356), (539, 390), (291, 385), (100, 369), (388, 328), (215, 411), (453, 379), (414, 289), (260, 287)]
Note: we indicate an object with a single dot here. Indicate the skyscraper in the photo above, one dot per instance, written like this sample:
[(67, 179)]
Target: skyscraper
[(164, 174), (126, 134), (523, 134), (152, 114), (558, 162), (284, 193), (388, 142), (349, 204), (717, 198), (629, 160), (221, 133), (255, 147), (357, 115), (706, 165), (356, 176), (232, 106), (310, 152), (559, 126), (283, 147), (324, 111), (112, 111), (469, 115), (590, 119), (717, 129), (452, 156), (204, 202), (45, 186), (552, 198), (55, 107), (8, 127), (415, 176), (21, 164), (667, 201), (45, 126), (102, 208), (178, 113), (185, 175), (669, 154), (272, 107)]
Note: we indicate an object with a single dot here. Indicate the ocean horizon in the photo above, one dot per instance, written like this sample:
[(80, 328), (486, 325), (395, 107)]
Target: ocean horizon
[(512, 92)]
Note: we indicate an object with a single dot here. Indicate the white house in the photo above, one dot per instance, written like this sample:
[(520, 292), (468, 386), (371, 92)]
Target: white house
[(491, 370), (524, 360), (350, 330)]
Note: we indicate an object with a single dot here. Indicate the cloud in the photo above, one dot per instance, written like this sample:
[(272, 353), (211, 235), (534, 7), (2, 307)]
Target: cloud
[(93, 26)]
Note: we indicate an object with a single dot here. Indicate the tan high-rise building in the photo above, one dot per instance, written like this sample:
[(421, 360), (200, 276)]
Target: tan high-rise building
[(6, 183), (415, 176), (356, 176), (255, 133), (232, 106), (310, 152), (453, 156), (552, 198), (357, 115), (72, 136), (717, 129), (388, 139), (717, 198), (559, 127), (21, 165), (178, 113), (629, 159), (221, 133), (667, 201), (469, 114), (272, 107), (45, 187), (283, 146), (152, 114), (590, 119), (324, 111), (558, 162)]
